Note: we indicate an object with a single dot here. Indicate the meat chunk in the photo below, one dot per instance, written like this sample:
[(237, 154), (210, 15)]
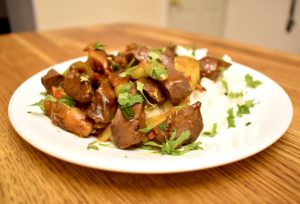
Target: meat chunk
[(52, 78), (176, 86), (188, 118), (152, 89), (125, 132), (211, 67), (69, 118), (97, 59), (141, 54), (104, 104), (78, 89)]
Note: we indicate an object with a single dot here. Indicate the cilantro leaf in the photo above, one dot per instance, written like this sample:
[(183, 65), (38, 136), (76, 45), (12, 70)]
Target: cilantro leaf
[(154, 54), (140, 88), (171, 145), (98, 46), (134, 98), (65, 99), (225, 85), (213, 131), (145, 130), (251, 82), (248, 123), (245, 108), (192, 146), (93, 145), (230, 118), (127, 112), (235, 94), (163, 126), (129, 68), (115, 66)]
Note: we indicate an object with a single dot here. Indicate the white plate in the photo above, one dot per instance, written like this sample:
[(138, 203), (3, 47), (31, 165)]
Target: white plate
[(273, 118)]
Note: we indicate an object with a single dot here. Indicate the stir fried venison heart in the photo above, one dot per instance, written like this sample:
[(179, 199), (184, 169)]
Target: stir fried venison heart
[(111, 96)]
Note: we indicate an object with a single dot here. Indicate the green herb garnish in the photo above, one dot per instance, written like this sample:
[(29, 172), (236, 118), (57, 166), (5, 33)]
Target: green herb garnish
[(128, 69), (154, 54), (145, 130), (225, 85), (115, 66), (235, 94), (169, 147), (126, 100), (127, 111), (93, 145), (65, 99), (213, 131), (248, 123), (245, 108), (251, 82), (230, 118), (98, 46), (158, 71), (140, 88), (163, 126)]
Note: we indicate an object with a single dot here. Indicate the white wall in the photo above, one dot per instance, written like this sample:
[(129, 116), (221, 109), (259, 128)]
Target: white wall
[(52, 14), (263, 23), (198, 16)]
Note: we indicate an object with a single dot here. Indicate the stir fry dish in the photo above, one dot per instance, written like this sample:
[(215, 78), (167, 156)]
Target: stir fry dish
[(136, 97)]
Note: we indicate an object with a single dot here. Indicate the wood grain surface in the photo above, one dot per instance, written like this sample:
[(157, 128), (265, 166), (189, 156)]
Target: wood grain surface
[(29, 176)]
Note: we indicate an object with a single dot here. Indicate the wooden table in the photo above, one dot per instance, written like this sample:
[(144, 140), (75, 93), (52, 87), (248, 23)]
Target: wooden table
[(29, 176)]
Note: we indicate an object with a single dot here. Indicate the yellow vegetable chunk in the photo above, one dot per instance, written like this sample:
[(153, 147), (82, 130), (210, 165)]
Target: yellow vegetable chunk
[(190, 68)]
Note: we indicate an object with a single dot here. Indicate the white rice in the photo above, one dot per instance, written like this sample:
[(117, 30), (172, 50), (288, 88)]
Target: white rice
[(215, 104), (214, 107)]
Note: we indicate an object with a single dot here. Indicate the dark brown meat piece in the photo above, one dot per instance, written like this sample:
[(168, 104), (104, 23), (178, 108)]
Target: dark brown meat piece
[(141, 54), (176, 86), (69, 118), (188, 118), (79, 90), (125, 132), (152, 89), (210, 67), (97, 60), (52, 78), (104, 105)]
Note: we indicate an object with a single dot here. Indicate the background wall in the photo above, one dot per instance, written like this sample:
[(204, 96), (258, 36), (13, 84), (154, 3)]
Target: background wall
[(262, 22), (51, 14), (199, 16), (257, 22)]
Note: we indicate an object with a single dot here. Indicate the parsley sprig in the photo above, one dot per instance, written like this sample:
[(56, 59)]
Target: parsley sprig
[(171, 144)]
